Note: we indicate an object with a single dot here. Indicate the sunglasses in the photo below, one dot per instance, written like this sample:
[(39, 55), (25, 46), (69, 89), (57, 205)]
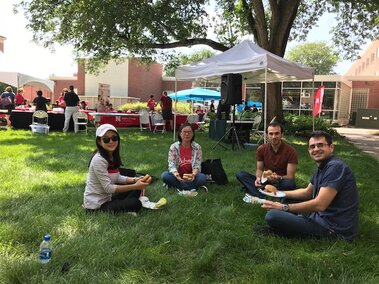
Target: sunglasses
[(106, 140)]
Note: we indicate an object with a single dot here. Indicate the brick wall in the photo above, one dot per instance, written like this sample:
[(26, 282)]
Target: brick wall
[(169, 85), (373, 86), (144, 80)]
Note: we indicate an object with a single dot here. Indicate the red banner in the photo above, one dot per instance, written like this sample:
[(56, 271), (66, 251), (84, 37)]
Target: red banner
[(319, 96)]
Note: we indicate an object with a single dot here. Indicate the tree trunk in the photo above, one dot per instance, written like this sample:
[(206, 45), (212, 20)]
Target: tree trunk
[(272, 34)]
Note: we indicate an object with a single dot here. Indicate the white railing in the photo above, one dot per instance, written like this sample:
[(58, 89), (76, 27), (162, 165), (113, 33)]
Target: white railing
[(115, 101)]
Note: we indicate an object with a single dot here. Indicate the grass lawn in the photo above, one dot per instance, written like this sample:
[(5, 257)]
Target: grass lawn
[(207, 239)]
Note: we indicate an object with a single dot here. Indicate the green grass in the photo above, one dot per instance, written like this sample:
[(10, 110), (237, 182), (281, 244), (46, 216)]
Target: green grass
[(207, 239)]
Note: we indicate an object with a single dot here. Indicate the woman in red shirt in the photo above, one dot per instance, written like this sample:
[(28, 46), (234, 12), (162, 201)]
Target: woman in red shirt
[(19, 98), (184, 163)]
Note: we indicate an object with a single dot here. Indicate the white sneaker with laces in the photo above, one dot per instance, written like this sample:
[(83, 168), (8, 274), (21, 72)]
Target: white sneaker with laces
[(187, 193), (252, 199)]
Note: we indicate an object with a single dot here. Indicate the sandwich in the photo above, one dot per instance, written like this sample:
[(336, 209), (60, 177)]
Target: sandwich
[(187, 176), (146, 179), (270, 189)]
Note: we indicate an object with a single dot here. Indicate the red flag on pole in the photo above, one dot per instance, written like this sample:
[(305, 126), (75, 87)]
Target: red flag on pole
[(317, 106)]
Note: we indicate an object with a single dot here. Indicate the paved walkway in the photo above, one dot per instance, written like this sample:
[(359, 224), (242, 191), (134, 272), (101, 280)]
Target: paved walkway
[(365, 139)]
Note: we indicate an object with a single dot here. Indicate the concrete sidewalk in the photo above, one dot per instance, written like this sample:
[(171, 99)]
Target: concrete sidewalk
[(365, 139)]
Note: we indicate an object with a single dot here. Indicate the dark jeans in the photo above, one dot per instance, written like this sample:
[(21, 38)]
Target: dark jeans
[(248, 181), (123, 202), (292, 225), (169, 179)]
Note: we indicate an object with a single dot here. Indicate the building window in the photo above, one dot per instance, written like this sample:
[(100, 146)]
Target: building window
[(330, 84)]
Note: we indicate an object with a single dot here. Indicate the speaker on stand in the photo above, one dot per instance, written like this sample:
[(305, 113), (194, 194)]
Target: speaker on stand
[(231, 94)]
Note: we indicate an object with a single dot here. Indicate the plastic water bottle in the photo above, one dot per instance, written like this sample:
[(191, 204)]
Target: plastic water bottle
[(45, 250)]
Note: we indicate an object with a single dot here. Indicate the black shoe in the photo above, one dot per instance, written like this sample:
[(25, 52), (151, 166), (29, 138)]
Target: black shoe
[(263, 230)]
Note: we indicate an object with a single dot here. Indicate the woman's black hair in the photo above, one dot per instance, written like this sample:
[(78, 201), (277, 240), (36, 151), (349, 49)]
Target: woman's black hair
[(116, 163), (180, 131)]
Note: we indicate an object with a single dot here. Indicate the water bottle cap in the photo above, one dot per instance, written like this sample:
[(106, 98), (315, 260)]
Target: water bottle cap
[(47, 237)]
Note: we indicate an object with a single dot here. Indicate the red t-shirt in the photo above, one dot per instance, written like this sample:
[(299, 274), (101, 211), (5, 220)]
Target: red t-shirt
[(185, 160), (19, 99), (151, 104), (277, 161), (166, 102)]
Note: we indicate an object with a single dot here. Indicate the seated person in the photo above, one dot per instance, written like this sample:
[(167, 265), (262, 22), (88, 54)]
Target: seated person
[(326, 208), (83, 105), (277, 158), (106, 189), (184, 162)]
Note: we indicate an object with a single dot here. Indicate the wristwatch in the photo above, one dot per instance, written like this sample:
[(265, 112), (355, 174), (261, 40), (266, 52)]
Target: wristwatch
[(285, 207)]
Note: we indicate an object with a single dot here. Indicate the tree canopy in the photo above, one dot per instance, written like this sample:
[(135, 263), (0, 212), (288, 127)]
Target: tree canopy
[(183, 59), (318, 55), (109, 29)]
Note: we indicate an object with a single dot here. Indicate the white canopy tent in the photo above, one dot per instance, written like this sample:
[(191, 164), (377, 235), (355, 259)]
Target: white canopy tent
[(255, 64), (19, 80)]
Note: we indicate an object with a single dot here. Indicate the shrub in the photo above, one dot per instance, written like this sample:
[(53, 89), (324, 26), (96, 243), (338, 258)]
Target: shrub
[(302, 124), (181, 107)]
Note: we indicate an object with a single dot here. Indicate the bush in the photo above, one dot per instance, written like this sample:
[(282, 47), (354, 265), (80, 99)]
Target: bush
[(302, 124), (181, 107)]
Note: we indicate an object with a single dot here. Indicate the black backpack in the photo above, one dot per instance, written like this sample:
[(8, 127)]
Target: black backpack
[(214, 168)]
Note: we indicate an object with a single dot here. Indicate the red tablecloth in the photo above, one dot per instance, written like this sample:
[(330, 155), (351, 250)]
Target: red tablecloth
[(133, 121)]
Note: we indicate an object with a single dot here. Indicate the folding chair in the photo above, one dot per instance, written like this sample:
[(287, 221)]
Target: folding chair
[(194, 119), (80, 121), (158, 122), (144, 120), (255, 130), (40, 122)]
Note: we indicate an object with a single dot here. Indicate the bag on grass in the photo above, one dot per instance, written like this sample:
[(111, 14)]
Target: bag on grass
[(214, 168)]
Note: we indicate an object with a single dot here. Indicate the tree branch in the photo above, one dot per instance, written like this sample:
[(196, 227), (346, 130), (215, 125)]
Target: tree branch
[(185, 42)]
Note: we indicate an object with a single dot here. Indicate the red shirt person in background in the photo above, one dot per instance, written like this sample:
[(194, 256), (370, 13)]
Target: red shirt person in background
[(19, 98), (166, 105), (151, 103)]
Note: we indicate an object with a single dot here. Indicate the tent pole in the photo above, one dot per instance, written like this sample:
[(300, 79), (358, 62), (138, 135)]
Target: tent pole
[(265, 110), (313, 103), (176, 100)]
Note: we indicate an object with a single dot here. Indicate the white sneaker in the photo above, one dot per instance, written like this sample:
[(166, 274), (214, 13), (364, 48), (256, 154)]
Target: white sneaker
[(187, 193), (252, 199)]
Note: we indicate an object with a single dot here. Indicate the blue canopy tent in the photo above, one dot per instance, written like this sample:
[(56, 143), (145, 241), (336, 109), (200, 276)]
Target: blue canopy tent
[(196, 94)]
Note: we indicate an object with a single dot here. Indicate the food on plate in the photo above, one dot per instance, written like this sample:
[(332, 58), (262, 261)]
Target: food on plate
[(270, 189), (146, 179)]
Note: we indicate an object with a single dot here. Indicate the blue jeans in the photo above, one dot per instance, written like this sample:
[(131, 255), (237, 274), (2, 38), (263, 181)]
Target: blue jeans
[(292, 225), (169, 179), (248, 181)]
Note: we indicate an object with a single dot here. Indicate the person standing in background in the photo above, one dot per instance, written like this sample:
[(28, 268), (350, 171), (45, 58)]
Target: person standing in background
[(71, 99), (166, 105), (7, 101), (212, 106), (19, 99), (40, 102), (61, 98), (151, 103)]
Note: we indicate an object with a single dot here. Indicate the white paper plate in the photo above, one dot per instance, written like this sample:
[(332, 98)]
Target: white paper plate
[(278, 194)]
